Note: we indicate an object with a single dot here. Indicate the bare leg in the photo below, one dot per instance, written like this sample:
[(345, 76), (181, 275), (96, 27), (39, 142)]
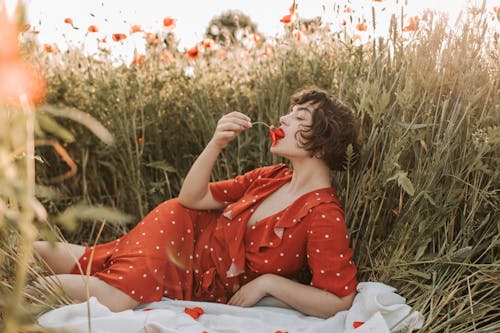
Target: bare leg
[(75, 286), (62, 257)]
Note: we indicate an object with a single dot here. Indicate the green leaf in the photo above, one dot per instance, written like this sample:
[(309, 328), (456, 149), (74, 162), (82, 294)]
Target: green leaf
[(418, 273), (70, 216), (405, 183), (51, 126), (162, 165), (412, 126)]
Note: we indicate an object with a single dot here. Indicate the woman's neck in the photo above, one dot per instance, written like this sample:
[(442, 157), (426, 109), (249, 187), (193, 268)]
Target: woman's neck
[(308, 175)]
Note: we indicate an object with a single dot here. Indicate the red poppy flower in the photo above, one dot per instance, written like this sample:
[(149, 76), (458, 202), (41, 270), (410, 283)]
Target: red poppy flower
[(195, 312), (275, 134), (208, 43), (193, 52), (257, 38), (412, 24), (151, 38), (135, 28), (119, 37), (48, 48), (138, 59), (68, 20), (92, 28), (286, 19), (169, 22), (356, 324), (361, 27)]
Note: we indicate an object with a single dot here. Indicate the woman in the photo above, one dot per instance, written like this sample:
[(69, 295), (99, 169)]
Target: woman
[(273, 231)]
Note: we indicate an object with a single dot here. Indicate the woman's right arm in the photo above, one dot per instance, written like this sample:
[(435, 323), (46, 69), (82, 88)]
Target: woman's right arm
[(195, 192)]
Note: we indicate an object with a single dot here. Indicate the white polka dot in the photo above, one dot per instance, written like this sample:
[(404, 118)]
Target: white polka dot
[(327, 236), (252, 210), (144, 275), (211, 249), (156, 219), (225, 191), (346, 287), (323, 216), (251, 243), (297, 255), (156, 270), (188, 231), (141, 297), (220, 259), (137, 243), (171, 212), (282, 254), (116, 250), (172, 242), (120, 278), (157, 287), (290, 236), (161, 231), (254, 200), (322, 271), (271, 243), (156, 210), (253, 227), (317, 250), (84, 258), (266, 261), (173, 222), (191, 257), (243, 200), (109, 271), (132, 292), (157, 247), (338, 274), (341, 255), (228, 224), (140, 251), (278, 270), (130, 267), (337, 219), (277, 217), (346, 236)]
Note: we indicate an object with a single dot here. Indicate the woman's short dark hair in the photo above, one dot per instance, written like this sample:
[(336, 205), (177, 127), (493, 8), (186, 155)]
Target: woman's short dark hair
[(333, 128)]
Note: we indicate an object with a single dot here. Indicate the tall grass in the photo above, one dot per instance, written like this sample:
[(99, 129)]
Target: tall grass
[(423, 203)]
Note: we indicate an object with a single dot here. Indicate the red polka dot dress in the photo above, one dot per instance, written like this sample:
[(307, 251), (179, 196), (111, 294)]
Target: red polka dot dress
[(207, 255)]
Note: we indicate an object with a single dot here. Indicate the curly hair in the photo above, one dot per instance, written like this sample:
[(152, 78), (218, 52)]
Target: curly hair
[(334, 127)]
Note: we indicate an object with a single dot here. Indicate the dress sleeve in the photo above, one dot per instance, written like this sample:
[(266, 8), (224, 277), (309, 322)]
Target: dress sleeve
[(231, 190), (328, 252)]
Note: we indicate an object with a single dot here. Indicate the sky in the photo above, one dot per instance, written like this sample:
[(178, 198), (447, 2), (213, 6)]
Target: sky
[(192, 16)]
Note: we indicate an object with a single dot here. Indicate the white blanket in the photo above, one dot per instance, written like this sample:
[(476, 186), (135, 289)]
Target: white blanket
[(376, 305)]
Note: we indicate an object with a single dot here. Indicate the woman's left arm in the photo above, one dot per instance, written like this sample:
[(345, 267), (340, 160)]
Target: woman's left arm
[(307, 299)]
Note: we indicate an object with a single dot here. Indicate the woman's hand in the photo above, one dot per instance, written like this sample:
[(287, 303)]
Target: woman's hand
[(228, 127), (250, 293)]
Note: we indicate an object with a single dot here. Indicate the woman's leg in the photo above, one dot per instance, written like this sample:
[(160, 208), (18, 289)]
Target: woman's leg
[(75, 286), (60, 257)]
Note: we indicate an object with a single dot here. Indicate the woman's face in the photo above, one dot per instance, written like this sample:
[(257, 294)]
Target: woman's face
[(299, 118)]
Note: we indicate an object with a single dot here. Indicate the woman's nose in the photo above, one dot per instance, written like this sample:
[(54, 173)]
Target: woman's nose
[(283, 120)]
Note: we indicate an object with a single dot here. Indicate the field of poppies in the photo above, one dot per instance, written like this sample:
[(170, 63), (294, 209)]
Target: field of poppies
[(88, 146)]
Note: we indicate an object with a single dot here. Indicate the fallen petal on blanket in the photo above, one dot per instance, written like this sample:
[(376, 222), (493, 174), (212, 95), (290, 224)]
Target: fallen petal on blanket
[(356, 324), (195, 312)]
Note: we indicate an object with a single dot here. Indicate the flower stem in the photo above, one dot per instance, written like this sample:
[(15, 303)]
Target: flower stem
[(261, 123)]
